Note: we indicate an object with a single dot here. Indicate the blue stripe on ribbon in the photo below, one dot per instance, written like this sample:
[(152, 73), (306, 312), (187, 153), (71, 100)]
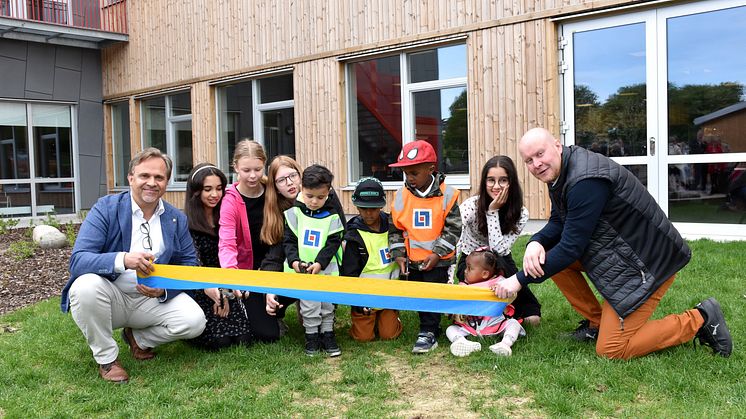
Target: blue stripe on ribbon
[(470, 307)]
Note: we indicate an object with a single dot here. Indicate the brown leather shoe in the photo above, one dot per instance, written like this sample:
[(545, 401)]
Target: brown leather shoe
[(113, 372), (137, 352)]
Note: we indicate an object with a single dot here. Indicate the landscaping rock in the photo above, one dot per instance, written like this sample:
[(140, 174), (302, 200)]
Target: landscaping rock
[(48, 237)]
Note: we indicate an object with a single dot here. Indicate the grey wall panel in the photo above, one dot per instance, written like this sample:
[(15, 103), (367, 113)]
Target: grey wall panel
[(90, 168), (90, 128), (13, 49), (37, 96), (66, 84), (69, 58), (91, 86), (13, 77), (40, 70)]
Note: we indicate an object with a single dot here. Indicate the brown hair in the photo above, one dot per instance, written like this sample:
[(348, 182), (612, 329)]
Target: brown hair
[(149, 153), (274, 203), (193, 206)]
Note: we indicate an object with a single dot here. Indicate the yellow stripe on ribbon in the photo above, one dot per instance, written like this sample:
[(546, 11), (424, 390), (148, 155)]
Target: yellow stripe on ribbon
[(365, 292)]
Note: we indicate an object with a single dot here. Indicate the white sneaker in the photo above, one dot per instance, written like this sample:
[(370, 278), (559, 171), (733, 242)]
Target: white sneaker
[(501, 349), (464, 347)]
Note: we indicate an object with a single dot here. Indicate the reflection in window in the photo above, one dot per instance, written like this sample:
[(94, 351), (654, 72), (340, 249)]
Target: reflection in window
[(270, 100), (14, 153), (434, 98), (279, 132), (440, 119), (167, 126), (376, 109), (52, 141), (610, 90), (719, 197), (120, 137), (276, 89), (706, 78), (707, 115), (50, 180)]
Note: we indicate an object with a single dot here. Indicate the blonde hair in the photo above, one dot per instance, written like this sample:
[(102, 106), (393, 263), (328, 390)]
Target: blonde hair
[(251, 149), (274, 203)]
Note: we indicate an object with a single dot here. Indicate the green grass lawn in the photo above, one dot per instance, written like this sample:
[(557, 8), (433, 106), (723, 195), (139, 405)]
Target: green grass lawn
[(46, 369)]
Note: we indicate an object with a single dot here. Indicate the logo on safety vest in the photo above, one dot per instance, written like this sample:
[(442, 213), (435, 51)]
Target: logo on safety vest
[(311, 238), (422, 218), (385, 254)]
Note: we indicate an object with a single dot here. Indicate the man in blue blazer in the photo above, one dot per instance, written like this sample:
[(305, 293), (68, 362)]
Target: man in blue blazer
[(124, 234)]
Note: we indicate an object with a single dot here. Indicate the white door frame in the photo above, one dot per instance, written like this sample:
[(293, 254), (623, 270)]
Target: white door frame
[(655, 21)]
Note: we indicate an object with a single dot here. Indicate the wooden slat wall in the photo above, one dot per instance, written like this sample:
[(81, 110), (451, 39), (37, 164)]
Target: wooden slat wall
[(512, 60), (511, 79)]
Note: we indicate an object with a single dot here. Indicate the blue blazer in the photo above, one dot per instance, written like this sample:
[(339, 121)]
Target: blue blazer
[(107, 230)]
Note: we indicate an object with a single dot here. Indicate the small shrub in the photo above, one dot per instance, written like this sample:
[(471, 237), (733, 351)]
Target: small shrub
[(52, 221), (7, 223), (70, 233), (22, 250)]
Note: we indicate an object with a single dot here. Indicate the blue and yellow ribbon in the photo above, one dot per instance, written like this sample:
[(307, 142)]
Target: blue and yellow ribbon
[(364, 292)]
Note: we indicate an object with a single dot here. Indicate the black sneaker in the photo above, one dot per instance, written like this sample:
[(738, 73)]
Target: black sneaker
[(714, 333), (425, 343), (584, 332), (329, 344), (312, 344)]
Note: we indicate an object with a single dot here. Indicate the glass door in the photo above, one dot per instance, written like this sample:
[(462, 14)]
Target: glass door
[(609, 90), (662, 93), (703, 117)]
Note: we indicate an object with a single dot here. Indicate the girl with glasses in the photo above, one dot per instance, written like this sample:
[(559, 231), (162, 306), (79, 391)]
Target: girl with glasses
[(494, 219)]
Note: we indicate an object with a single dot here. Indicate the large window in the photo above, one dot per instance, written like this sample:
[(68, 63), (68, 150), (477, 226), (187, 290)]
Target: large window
[(260, 109), (120, 138), (401, 98), (36, 160), (167, 125)]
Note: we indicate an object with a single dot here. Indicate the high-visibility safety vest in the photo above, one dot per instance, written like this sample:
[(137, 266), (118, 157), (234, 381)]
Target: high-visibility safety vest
[(312, 234), (422, 220), (379, 264)]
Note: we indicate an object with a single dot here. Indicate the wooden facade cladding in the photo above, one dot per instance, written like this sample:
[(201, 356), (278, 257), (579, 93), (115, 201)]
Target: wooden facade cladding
[(511, 52)]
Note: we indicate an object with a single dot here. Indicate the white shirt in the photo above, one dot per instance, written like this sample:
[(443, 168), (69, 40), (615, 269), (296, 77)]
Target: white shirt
[(471, 238), (424, 194), (127, 281)]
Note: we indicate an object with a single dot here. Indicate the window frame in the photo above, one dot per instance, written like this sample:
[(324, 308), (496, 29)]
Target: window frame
[(257, 114), (170, 128), (34, 180), (407, 91), (115, 158)]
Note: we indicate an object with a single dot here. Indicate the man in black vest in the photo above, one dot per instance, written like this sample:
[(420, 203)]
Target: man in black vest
[(604, 223)]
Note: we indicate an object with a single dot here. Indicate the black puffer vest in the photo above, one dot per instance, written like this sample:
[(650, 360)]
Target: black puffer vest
[(634, 247)]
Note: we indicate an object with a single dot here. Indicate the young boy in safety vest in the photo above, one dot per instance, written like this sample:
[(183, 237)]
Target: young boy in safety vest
[(366, 255), (313, 234), (426, 212)]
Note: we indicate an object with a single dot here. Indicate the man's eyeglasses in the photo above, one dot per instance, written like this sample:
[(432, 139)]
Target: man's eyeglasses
[(502, 182), (293, 177), (147, 243)]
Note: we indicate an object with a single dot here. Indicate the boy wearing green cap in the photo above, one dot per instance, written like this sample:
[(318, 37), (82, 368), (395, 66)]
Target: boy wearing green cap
[(367, 255)]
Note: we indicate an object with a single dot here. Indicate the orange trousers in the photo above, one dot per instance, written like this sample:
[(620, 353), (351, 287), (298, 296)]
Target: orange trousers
[(364, 325), (638, 335)]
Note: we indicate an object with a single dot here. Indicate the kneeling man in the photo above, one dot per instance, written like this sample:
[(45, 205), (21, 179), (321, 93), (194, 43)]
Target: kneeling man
[(124, 234)]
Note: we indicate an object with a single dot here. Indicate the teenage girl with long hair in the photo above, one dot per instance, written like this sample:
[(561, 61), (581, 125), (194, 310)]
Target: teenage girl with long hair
[(227, 324), (495, 218)]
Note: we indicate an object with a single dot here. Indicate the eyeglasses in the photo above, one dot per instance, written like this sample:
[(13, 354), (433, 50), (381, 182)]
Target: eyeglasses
[(147, 243), (293, 177), (502, 182)]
